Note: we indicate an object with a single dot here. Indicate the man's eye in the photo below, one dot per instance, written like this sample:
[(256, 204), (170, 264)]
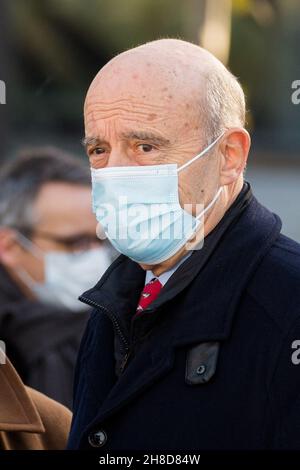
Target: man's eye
[(98, 151), (146, 147)]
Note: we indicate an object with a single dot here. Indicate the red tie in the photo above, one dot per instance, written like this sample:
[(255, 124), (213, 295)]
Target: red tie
[(149, 294)]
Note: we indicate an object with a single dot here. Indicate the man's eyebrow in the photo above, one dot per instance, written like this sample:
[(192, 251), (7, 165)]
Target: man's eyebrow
[(132, 135), (87, 141), (146, 137)]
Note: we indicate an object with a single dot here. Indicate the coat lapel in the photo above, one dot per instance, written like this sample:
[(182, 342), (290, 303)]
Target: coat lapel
[(17, 411)]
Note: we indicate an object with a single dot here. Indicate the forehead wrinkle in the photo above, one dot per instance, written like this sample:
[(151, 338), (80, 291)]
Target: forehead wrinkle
[(92, 116), (99, 111), (132, 118), (130, 100), (99, 138), (146, 136)]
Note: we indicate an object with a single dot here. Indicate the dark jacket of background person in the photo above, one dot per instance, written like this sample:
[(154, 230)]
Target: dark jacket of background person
[(211, 363), (28, 419), (42, 341)]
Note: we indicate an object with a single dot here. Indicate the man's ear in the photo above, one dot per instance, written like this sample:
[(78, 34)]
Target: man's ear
[(234, 150), (9, 248)]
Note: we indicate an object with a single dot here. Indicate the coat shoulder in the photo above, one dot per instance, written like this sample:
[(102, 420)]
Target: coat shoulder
[(55, 417), (275, 284)]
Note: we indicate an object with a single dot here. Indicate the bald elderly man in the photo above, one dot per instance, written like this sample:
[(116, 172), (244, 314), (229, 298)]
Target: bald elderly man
[(192, 343)]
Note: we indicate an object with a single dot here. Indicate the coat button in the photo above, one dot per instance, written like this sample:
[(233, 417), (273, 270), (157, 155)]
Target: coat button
[(201, 369), (97, 438)]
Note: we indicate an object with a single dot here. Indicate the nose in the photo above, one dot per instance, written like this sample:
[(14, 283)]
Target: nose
[(119, 157)]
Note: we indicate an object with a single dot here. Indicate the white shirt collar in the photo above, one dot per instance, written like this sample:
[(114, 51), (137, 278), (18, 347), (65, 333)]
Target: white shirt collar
[(164, 277)]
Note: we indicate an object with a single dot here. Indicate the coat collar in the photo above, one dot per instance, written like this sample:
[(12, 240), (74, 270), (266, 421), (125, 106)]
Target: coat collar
[(17, 411), (207, 312), (215, 280)]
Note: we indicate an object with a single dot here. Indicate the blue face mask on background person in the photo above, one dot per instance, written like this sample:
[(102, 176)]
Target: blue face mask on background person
[(139, 210), (67, 275)]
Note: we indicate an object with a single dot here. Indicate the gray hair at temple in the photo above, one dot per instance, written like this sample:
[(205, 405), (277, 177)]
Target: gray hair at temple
[(22, 178), (224, 101)]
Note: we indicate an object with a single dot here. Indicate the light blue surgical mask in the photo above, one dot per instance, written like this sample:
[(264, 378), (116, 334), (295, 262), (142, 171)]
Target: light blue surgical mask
[(139, 210), (67, 275)]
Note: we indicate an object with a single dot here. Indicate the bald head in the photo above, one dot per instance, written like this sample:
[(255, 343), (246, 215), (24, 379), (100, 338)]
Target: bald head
[(177, 74)]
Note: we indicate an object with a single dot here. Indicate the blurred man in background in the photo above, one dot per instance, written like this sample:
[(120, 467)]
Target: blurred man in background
[(49, 254)]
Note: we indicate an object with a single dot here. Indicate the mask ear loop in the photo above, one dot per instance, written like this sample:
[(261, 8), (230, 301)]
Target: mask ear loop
[(198, 217), (30, 246), (201, 154)]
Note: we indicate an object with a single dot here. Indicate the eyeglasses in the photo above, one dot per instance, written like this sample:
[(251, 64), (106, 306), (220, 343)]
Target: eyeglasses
[(80, 242)]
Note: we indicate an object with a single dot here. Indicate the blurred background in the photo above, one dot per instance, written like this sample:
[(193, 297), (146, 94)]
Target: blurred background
[(51, 49)]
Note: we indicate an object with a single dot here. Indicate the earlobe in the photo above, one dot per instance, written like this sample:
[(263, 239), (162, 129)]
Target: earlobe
[(235, 148)]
